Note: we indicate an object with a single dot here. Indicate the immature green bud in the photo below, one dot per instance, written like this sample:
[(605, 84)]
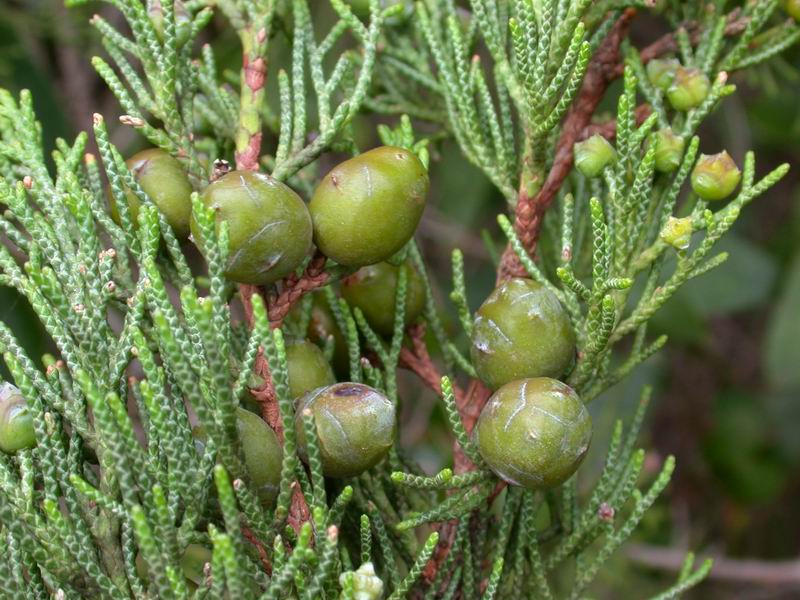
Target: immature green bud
[(269, 228), (373, 290), (534, 432), (16, 422), (593, 155), (688, 89), (366, 584), (661, 72), (308, 369), (792, 8), (355, 427), (669, 150), (715, 176), (677, 232), (368, 207)]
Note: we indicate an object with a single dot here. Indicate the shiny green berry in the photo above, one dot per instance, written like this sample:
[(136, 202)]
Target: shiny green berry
[(534, 432), (372, 289), (322, 326), (715, 176), (192, 563), (593, 155), (262, 452), (661, 72), (165, 182), (521, 330), (669, 150), (16, 422), (308, 369), (269, 226), (688, 89), (368, 207), (792, 8), (355, 427)]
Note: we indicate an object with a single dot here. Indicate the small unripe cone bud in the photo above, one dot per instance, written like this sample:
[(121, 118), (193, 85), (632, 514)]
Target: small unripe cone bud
[(688, 90), (366, 584), (792, 8), (715, 176), (669, 150), (593, 155), (661, 72), (677, 232)]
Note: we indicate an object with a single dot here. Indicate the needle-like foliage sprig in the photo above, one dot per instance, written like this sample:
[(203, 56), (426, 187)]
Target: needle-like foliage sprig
[(139, 467)]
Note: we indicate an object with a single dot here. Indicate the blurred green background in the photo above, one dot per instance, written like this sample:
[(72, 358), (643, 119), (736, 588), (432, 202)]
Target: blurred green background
[(727, 388)]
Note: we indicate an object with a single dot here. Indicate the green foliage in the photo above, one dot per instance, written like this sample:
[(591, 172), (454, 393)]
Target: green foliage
[(152, 342)]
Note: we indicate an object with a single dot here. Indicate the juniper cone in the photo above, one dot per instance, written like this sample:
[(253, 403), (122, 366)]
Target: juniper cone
[(661, 72), (268, 226), (192, 565), (16, 422), (534, 432), (165, 182), (688, 89), (261, 451), (328, 490), (593, 155), (669, 150), (307, 368), (715, 176), (322, 326), (354, 424), (373, 289), (792, 8), (367, 208), (678, 232), (520, 331)]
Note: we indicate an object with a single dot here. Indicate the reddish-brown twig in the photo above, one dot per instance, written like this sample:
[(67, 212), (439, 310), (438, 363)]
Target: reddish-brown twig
[(417, 360), (529, 213), (293, 288), (608, 129), (254, 77), (265, 395), (530, 210), (668, 42), (298, 510), (262, 551)]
